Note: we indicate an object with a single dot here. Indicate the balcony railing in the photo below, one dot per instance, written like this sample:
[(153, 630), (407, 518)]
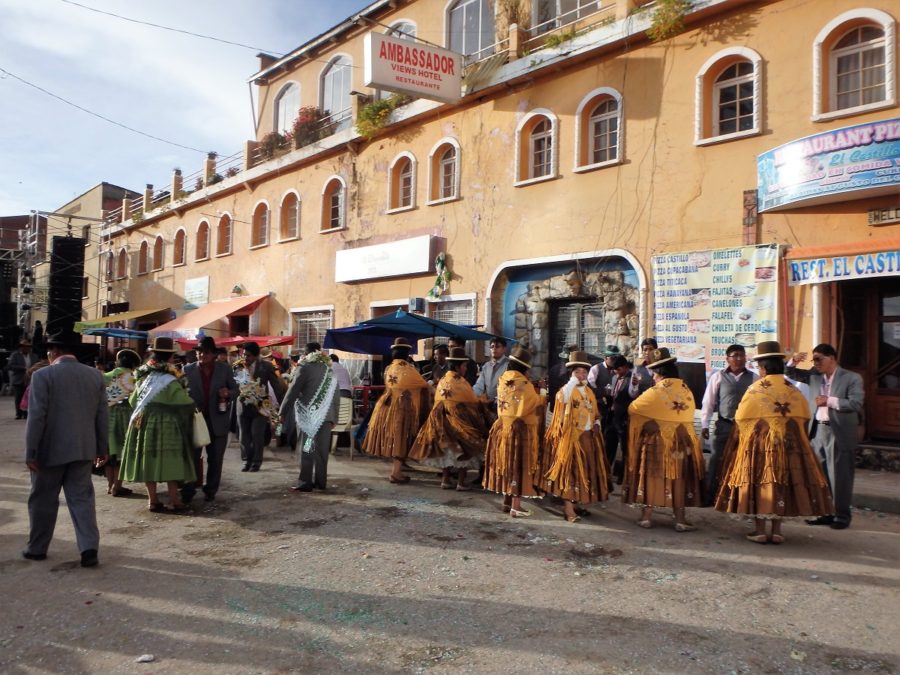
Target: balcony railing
[(566, 24)]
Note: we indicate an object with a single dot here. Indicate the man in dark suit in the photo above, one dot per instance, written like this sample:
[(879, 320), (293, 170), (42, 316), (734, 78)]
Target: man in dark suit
[(835, 398), (645, 377), (312, 403), (258, 381), (212, 386), (18, 364), (65, 433), (623, 391)]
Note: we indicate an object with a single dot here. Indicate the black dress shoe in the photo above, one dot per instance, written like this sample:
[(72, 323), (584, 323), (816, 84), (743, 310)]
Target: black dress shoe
[(254, 467), (246, 467), (840, 525), (821, 520), (34, 556), (303, 487), (89, 558)]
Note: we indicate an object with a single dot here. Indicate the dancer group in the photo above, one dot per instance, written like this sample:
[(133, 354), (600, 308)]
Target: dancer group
[(768, 471)]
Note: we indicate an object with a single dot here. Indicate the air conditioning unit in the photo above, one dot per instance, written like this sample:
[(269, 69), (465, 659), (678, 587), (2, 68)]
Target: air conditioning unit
[(417, 305)]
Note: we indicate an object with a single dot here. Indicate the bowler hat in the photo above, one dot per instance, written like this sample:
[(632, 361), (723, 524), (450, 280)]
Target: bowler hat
[(401, 343), (611, 350), (769, 350), (251, 347), (24, 342), (578, 359), (458, 354), (521, 355), (128, 358), (163, 345), (660, 357)]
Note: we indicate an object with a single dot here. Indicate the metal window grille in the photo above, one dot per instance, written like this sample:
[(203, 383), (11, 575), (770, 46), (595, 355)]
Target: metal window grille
[(460, 312), (311, 327)]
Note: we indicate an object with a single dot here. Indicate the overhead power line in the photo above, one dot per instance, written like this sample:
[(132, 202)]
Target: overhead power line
[(169, 28), (98, 115)]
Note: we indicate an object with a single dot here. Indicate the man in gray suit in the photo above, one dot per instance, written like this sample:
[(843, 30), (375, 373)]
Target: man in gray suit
[(489, 377), (65, 433), (835, 399), (211, 384), (253, 425), (312, 403)]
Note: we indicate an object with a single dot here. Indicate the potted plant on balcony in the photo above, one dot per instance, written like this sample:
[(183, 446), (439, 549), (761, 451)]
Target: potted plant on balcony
[(310, 125), (374, 116)]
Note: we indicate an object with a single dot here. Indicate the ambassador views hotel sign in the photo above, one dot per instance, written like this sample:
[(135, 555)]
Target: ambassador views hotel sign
[(418, 70)]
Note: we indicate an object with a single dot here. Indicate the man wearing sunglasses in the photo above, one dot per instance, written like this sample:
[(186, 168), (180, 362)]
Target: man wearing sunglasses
[(835, 401)]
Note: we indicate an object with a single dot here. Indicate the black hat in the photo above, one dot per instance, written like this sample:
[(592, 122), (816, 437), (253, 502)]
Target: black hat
[(251, 347)]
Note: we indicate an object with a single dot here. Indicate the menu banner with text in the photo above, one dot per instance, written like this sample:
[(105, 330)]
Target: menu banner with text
[(705, 301)]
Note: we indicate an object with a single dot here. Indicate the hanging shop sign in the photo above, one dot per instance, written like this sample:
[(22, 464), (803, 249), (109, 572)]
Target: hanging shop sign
[(415, 69), (705, 301), (843, 267), (393, 259), (196, 292), (848, 163)]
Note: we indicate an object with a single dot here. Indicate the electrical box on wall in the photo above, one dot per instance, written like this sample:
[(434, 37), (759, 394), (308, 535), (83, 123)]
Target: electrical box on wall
[(417, 305)]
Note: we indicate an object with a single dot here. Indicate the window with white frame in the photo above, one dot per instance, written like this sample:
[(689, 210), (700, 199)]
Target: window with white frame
[(311, 326), (470, 27), (290, 217), (335, 86), (598, 129), (728, 96), (333, 205), (733, 108), (853, 59), (402, 183), (443, 179), (259, 235), (224, 235), (604, 131), (158, 254), (460, 312), (536, 141), (287, 105), (179, 247), (857, 68), (143, 258), (201, 250)]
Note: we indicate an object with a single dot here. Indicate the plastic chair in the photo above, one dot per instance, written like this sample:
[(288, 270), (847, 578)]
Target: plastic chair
[(345, 420)]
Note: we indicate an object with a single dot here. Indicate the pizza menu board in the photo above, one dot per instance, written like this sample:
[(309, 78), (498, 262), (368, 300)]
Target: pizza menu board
[(704, 301)]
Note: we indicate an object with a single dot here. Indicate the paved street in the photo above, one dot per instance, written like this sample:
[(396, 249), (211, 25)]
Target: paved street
[(373, 577)]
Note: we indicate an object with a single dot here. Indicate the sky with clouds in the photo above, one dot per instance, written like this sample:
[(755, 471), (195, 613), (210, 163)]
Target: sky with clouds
[(181, 88)]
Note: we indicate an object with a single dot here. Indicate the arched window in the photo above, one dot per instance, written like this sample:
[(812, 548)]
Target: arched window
[(224, 235), (179, 248), (201, 251), (287, 104), (470, 28), (402, 183), (289, 227), (158, 252), (536, 145), (122, 264), (334, 204), (443, 182), (853, 57), (335, 86), (598, 133), (259, 231), (143, 258), (728, 96), (110, 270)]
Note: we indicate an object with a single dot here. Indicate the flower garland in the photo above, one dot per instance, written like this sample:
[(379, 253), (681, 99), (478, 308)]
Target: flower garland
[(153, 366), (442, 281)]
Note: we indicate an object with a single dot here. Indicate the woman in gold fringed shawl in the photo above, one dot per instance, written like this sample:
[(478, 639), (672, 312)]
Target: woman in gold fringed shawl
[(399, 413), (512, 455), (665, 462), (770, 470), (576, 470), (456, 430)]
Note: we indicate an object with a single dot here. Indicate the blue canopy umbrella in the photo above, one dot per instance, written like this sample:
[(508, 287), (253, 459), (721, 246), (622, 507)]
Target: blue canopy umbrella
[(123, 333), (405, 324), (364, 339)]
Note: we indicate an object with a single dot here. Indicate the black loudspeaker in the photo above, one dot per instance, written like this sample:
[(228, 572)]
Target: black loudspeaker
[(66, 275)]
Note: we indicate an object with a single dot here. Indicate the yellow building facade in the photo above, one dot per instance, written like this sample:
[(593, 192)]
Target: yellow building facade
[(580, 156)]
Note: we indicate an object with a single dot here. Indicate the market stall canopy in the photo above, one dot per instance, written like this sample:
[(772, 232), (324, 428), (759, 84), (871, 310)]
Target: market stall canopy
[(404, 323), (365, 339), (196, 319), (261, 340), (122, 333), (101, 321)]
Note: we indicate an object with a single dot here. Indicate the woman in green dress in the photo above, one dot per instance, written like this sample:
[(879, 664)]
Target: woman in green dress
[(119, 387), (158, 443)]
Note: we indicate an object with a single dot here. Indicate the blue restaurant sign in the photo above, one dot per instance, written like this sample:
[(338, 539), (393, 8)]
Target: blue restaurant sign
[(848, 163)]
